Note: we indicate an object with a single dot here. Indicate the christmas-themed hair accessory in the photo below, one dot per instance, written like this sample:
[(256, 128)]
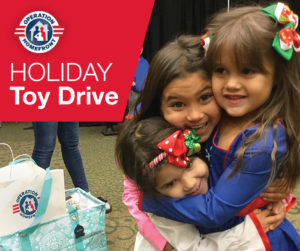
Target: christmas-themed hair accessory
[(177, 147), (157, 159), (192, 142), (205, 40), (287, 39)]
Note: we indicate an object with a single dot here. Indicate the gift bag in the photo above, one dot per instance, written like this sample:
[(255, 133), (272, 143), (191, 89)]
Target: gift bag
[(82, 229), (21, 184)]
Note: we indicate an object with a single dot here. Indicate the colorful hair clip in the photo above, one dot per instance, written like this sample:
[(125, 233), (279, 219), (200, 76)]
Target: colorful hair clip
[(177, 147), (205, 40), (157, 159), (192, 143), (287, 39)]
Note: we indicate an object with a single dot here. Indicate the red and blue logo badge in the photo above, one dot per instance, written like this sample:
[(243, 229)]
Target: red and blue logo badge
[(27, 203), (39, 32)]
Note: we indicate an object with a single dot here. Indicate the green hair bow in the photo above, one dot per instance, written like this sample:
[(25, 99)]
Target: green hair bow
[(287, 39), (192, 143)]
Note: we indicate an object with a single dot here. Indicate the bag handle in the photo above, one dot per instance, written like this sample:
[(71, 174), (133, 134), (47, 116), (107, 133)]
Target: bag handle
[(74, 220), (16, 160), (11, 151), (40, 212), (12, 154)]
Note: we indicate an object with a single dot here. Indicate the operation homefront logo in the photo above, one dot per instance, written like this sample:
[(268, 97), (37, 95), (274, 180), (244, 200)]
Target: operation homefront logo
[(26, 204), (39, 32)]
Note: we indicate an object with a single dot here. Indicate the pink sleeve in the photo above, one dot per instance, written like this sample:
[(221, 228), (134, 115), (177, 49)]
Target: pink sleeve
[(289, 201), (147, 229)]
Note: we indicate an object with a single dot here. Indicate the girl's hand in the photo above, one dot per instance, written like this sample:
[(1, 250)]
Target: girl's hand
[(277, 208), (277, 191), (267, 220), (168, 247)]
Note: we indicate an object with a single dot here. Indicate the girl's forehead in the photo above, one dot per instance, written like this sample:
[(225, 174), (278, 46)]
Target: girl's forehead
[(191, 83), (230, 50), (239, 55), (168, 172)]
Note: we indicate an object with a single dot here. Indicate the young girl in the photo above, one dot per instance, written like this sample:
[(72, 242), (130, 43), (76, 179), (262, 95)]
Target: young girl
[(162, 161), (256, 86), (179, 89)]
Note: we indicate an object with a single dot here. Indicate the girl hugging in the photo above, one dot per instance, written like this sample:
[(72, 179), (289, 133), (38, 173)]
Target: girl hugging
[(162, 160), (241, 95)]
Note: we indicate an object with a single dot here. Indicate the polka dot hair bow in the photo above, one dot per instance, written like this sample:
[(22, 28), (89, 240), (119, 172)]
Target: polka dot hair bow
[(287, 39), (177, 147)]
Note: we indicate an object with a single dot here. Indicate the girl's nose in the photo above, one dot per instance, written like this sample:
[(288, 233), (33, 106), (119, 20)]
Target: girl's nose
[(195, 113), (188, 183), (233, 83)]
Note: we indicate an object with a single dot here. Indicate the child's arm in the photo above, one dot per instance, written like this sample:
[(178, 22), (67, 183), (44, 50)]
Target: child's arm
[(219, 205), (230, 195), (147, 229), (277, 191), (185, 237)]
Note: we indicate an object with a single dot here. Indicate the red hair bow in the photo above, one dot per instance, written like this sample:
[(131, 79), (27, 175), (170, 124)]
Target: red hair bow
[(175, 148)]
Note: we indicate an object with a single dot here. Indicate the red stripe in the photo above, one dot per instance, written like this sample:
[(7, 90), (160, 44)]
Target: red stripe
[(215, 137), (16, 211), (260, 231), (16, 205), (140, 202), (227, 150), (256, 203), (280, 121)]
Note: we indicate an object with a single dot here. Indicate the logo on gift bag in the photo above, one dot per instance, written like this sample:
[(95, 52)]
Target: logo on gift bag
[(27, 203), (39, 32)]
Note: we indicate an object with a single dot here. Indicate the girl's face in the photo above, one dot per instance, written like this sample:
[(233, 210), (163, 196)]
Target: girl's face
[(241, 90), (189, 103), (176, 182)]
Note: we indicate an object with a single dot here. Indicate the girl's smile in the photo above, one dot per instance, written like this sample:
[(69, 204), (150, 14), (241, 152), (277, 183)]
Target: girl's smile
[(198, 189), (176, 182), (234, 99), (189, 103), (241, 90)]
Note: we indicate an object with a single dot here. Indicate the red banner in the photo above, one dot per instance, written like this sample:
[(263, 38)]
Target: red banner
[(69, 60)]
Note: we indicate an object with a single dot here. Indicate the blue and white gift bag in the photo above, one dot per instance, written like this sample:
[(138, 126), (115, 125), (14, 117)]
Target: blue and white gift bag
[(36, 213), (82, 229), (21, 184)]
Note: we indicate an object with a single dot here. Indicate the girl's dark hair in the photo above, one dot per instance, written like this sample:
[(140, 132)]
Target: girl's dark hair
[(137, 140), (247, 34), (136, 147), (176, 59)]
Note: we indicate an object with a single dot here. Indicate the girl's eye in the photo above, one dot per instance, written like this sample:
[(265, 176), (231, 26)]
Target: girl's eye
[(248, 71), (220, 70), (177, 104), (205, 97), (170, 184)]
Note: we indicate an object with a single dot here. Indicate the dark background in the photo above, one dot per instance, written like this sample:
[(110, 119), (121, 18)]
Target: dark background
[(171, 18)]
